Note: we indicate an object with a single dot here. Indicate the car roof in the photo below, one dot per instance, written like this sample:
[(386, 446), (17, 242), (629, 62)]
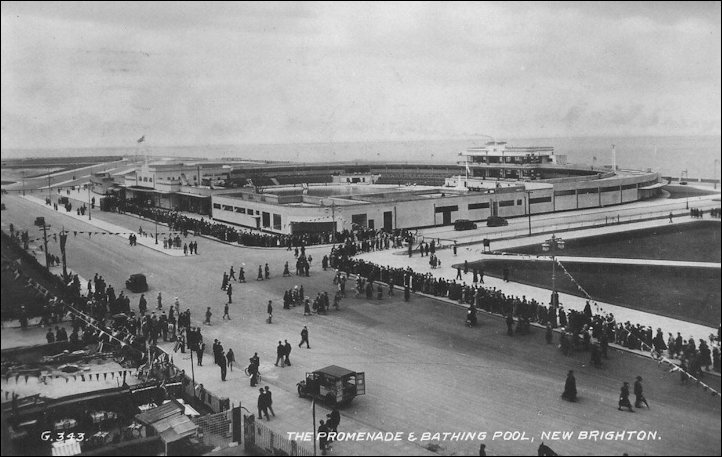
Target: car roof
[(335, 371)]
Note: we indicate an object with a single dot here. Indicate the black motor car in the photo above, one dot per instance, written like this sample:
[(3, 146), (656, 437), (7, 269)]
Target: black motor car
[(137, 283), (464, 224), (496, 221)]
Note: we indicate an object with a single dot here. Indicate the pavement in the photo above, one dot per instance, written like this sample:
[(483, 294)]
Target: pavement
[(425, 371), (399, 259), (113, 229)]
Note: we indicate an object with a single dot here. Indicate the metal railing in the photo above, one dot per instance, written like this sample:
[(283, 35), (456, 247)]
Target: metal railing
[(259, 438)]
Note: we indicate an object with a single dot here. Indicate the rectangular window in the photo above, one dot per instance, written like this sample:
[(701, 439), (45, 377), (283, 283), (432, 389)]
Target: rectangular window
[(444, 209), (610, 189), (217, 205), (506, 203), (227, 208), (478, 205), (266, 219), (587, 191), (250, 211), (540, 200), (240, 210), (277, 222), (564, 193), (518, 203), (629, 186)]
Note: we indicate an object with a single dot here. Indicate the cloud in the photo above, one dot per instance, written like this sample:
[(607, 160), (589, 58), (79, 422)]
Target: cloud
[(257, 72)]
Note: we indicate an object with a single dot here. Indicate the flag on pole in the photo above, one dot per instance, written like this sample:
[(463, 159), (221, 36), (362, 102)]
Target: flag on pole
[(141, 139)]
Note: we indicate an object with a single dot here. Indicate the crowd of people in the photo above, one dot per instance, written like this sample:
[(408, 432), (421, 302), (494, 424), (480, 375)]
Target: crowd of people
[(370, 239), (583, 330)]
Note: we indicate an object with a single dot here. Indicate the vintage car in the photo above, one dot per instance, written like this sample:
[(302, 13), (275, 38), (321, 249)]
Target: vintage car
[(464, 224), (496, 221), (333, 384), (137, 283)]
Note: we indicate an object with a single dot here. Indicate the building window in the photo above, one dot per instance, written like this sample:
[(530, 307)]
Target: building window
[(506, 203), (518, 202), (540, 200), (227, 208), (277, 222), (266, 219), (217, 206), (240, 210), (478, 205)]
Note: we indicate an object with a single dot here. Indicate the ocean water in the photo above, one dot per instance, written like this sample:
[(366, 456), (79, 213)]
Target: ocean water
[(669, 155)]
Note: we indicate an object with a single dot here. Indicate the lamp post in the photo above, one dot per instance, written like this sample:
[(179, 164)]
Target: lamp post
[(528, 200), (89, 205), (551, 245)]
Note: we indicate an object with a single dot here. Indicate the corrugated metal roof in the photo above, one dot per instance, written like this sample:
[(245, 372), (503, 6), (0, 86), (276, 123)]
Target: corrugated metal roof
[(150, 417), (175, 428)]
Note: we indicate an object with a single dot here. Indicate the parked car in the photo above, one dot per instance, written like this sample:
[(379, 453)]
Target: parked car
[(496, 221), (334, 385), (464, 224), (137, 283)]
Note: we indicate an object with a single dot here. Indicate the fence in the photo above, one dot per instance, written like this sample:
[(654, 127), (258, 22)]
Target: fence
[(260, 439), (217, 429)]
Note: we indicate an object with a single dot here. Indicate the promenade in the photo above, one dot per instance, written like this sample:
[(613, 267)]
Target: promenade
[(425, 371)]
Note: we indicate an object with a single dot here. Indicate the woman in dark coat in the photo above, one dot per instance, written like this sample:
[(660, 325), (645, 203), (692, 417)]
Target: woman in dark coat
[(624, 397), (570, 387)]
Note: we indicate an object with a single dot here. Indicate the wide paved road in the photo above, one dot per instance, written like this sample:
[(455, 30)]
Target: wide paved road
[(425, 370)]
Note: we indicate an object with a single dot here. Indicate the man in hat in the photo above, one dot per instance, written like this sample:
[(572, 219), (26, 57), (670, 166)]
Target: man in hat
[(639, 396), (624, 397)]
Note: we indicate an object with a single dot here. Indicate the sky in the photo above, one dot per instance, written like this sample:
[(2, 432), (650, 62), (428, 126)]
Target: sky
[(78, 74)]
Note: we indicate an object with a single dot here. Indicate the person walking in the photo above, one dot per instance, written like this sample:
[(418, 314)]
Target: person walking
[(199, 352), (160, 301), (232, 274), (638, 394), (208, 316), (229, 291), (260, 273), (230, 358), (269, 310), (280, 354), (287, 353), (304, 337), (262, 407), (222, 364), (570, 387), (269, 401), (225, 312), (624, 397)]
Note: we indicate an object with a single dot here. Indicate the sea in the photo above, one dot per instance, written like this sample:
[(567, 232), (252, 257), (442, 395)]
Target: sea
[(676, 156)]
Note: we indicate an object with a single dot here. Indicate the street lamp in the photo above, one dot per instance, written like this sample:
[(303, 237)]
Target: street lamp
[(528, 200), (551, 245), (90, 184)]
